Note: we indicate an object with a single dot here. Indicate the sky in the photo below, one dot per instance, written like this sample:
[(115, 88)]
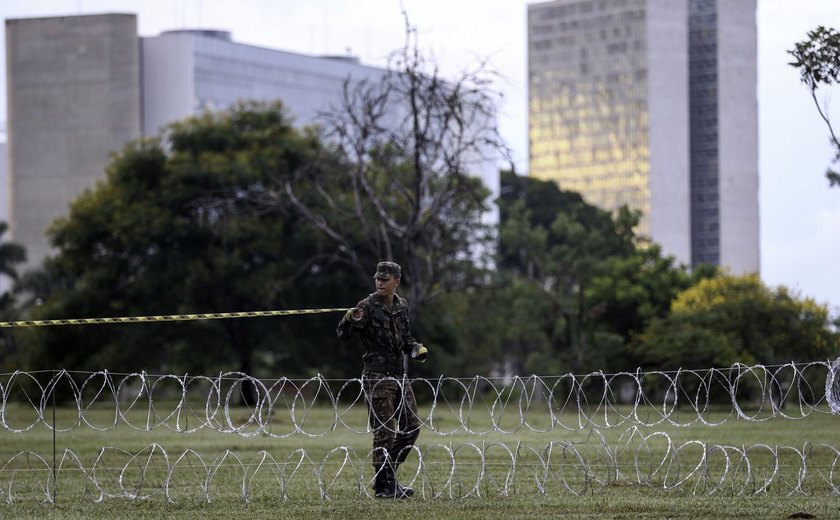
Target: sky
[(799, 213)]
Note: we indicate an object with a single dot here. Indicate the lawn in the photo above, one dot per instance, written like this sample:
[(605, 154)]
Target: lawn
[(312, 462)]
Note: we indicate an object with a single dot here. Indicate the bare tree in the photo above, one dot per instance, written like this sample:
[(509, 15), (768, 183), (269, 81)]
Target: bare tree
[(409, 147)]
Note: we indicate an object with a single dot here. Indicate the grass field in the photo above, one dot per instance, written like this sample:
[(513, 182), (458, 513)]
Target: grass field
[(593, 472)]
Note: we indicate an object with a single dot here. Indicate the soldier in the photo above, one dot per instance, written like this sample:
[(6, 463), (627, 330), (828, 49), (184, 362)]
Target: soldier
[(380, 321)]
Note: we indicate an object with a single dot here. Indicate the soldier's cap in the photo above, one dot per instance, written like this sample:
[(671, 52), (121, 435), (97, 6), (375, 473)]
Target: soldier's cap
[(385, 270)]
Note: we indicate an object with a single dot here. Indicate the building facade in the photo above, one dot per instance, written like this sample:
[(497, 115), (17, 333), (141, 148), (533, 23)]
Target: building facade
[(4, 202), (652, 104), (187, 71), (73, 99), (149, 82)]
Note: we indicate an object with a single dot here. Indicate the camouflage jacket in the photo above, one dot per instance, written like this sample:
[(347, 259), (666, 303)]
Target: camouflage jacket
[(384, 334)]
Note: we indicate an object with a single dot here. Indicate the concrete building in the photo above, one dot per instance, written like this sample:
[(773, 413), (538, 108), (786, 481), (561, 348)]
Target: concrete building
[(187, 71), (149, 83), (652, 104), (73, 99), (4, 184)]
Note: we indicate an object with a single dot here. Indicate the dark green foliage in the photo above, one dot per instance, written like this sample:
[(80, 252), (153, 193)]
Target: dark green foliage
[(180, 229), (11, 255), (594, 284)]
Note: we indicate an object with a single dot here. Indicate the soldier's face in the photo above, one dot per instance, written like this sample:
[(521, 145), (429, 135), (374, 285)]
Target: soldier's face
[(387, 287)]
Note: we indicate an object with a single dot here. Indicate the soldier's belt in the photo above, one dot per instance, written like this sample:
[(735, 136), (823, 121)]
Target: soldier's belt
[(378, 374)]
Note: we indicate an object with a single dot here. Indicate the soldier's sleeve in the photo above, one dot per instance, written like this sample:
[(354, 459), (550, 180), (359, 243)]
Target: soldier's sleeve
[(408, 340), (347, 327)]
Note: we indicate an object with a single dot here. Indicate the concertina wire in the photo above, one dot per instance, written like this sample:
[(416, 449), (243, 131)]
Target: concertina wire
[(478, 405), (582, 404)]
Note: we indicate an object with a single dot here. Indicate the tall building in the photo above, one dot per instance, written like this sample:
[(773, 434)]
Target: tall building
[(73, 98), (652, 104), (80, 87), (4, 203)]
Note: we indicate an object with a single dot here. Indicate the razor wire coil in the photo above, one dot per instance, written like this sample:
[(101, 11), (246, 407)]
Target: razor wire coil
[(478, 405), (281, 408), (450, 471)]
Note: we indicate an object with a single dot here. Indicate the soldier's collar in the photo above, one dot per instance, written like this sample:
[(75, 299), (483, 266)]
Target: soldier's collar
[(377, 300)]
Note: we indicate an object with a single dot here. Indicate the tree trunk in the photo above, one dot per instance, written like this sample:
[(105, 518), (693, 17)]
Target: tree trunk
[(581, 330), (249, 395), (244, 349)]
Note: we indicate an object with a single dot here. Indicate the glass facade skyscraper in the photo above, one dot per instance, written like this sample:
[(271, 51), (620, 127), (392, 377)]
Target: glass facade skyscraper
[(588, 102), (627, 106)]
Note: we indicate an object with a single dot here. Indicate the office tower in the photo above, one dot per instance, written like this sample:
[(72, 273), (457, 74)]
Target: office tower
[(652, 104), (80, 87), (73, 98)]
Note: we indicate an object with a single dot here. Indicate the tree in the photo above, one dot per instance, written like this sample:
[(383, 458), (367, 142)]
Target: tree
[(818, 61), (637, 288), (410, 147), (12, 254), (172, 230), (601, 283), (728, 319), (562, 245)]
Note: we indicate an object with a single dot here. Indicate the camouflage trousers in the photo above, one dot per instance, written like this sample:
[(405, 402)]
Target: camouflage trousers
[(392, 414)]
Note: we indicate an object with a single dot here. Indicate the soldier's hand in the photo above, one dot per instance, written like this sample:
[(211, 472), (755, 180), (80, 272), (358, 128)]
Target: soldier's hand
[(354, 314), (419, 353)]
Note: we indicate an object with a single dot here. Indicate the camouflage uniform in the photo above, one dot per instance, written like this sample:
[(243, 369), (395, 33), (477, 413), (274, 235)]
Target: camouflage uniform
[(384, 333)]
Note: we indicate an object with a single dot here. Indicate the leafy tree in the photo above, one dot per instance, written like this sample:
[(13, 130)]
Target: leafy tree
[(173, 230), (818, 61), (728, 319), (12, 254), (562, 245), (637, 288), (598, 283), (499, 328)]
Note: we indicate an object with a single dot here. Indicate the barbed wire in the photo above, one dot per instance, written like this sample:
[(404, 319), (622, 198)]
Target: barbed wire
[(441, 471), (832, 386), (478, 405)]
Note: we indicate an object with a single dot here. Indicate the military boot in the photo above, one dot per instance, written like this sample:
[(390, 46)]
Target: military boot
[(386, 485), (403, 490), (383, 484)]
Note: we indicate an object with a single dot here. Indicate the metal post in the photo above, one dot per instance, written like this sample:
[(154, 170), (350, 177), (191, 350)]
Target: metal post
[(54, 468)]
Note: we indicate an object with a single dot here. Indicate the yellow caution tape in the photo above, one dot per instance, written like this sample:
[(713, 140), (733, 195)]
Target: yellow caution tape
[(165, 317)]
